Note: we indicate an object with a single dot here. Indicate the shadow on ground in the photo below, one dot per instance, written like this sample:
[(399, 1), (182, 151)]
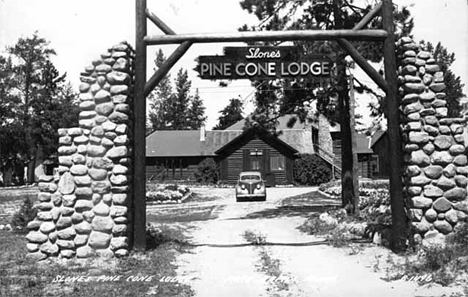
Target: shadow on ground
[(288, 211), (189, 214), (300, 205)]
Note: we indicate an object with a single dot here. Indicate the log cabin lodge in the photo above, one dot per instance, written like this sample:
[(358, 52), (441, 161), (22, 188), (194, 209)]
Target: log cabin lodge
[(175, 154)]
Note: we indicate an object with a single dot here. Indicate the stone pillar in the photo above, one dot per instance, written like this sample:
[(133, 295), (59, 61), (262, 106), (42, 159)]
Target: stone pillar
[(85, 209), (435, 170)]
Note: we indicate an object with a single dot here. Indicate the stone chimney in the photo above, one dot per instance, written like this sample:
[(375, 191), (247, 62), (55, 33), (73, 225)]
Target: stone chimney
[(202, 133)]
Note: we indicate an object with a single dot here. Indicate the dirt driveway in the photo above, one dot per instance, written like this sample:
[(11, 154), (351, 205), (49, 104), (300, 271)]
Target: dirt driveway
[(291, 263)]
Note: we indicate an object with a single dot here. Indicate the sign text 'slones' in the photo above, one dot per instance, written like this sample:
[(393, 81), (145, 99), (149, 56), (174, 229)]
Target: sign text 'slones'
[(262, 63)]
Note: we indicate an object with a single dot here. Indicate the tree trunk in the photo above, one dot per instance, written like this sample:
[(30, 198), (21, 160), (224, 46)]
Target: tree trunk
[(347, 172), (31, 165), (352, 124), (348, 176), (7, 176)]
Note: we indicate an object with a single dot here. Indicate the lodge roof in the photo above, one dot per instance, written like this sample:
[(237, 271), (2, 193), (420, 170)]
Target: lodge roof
[(282, 124), (187, 143)]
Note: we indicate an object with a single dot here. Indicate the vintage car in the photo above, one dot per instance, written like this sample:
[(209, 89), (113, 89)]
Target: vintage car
[(250, 186)]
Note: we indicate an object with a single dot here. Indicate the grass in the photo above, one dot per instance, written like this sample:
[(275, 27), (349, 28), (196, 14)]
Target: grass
[(268, 265), (14, 194), (254, 238), (272, 268), (136, 275)]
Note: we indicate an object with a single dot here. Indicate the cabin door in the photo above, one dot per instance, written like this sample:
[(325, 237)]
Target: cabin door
[(257, 160)]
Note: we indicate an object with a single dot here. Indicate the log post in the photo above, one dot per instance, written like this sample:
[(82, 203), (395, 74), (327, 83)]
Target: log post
[(392, 106), (139, 128)]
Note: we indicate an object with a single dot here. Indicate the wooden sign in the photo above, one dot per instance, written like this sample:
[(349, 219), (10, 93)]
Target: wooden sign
[(263, 62)]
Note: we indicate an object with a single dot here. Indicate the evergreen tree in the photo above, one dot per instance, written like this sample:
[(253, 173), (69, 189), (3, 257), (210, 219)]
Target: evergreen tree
[(44, 104), (179, 102), (32, 54), (173, 108), (230, 115), (11, 132), (55, 108), (196, 112), (159, 98)]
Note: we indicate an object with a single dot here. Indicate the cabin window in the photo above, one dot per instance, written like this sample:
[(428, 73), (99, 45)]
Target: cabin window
[(277, 163)]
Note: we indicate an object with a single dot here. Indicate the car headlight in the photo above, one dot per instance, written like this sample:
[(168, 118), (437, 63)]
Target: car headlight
[(258, 186), (243, 187)]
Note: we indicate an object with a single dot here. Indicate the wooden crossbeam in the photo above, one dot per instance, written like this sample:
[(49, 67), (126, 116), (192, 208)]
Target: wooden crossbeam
[(369, 17), (368, 69), (371, 35), (166, 67), (176, 55), (357, 57), (159, 23)]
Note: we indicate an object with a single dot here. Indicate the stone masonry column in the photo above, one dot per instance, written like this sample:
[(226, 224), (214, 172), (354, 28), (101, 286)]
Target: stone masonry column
[(435, 164), (84, 210)]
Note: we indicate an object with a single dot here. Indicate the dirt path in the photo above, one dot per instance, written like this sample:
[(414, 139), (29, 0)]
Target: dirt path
[(291, 264)]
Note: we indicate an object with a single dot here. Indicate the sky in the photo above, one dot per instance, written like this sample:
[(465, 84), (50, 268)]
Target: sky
[(80, 31)]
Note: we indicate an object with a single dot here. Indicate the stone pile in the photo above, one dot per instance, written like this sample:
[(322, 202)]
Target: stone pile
[(434, 148), (84, 209)]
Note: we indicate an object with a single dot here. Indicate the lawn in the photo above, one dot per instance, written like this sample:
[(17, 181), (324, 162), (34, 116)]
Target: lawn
[(140, 274), (18, 193)]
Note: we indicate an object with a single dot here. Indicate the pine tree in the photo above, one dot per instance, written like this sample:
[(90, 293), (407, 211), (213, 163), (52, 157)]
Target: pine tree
[(11, 132), (44, 104), (177, 110), (196, 112), (33, 54), (173, 108), (55, 108), (159, 98), (230, 115)]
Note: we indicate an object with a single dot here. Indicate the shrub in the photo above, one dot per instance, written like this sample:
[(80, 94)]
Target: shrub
[(317, 226), (311, 170), (166, 193), (26, 214), (207, 171), (339, 237)]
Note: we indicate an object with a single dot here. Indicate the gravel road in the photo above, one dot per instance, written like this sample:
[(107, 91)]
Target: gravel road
[(292, 263)]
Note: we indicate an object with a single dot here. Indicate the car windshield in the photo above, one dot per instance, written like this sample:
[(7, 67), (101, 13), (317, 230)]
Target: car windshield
[(250, 177)]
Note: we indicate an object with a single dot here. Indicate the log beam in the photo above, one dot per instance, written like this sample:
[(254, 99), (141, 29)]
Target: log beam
[(392, 106), (166, 67), (361, 35), (139, 128), (354, 53), (159, 23), (368, 69), (369, 17)]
